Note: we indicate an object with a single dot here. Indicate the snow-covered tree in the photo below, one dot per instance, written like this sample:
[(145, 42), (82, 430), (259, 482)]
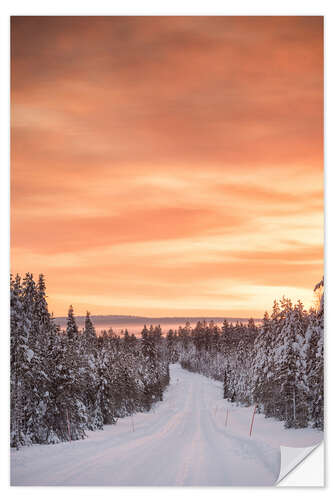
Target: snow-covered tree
[(62, 385)]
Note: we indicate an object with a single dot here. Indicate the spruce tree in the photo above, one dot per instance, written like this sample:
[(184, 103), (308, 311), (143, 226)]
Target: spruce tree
[(72, 329)]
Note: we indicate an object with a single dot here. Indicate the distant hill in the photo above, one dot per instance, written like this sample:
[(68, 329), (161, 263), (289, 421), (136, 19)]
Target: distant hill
[(118, 320)]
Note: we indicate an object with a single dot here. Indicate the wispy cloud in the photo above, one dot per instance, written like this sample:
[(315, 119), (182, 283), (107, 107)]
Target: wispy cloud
[(164, 164)]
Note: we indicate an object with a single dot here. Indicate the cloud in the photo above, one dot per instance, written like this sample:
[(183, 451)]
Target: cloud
[(154, 152), (54, 234), (230, 90)]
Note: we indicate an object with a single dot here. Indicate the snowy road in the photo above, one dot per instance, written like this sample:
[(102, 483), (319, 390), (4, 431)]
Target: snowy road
[(182, 441)]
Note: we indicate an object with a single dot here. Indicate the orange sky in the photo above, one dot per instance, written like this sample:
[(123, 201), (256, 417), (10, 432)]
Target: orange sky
[(168, 166)]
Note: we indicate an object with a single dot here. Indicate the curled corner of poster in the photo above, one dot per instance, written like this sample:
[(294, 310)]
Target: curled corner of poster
[(298, 470)]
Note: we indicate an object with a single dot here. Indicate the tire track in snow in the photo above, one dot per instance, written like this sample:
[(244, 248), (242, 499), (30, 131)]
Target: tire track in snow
[(178, 443)]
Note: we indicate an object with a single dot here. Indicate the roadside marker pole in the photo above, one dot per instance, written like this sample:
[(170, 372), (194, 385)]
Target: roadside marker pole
[(252, 420), (226, 417), (68, 427), (132, 423)]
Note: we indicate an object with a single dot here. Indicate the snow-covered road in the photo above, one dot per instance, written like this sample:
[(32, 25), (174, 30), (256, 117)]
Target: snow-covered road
[(182, 441)]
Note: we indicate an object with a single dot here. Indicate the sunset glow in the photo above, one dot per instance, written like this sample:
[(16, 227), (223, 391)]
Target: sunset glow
[(168, 166)]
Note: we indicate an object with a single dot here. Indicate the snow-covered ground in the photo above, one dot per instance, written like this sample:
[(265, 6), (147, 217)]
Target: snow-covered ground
[(183, 440)]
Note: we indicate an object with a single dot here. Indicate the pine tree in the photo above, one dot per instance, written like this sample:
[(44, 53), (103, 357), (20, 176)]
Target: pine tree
[(226, 392), (19, 330), (89, 329), (290, 366), (89, 359), (315, 362), (72, 329)]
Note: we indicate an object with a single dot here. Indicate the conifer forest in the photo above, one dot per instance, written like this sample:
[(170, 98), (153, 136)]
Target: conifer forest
[(66, 382)]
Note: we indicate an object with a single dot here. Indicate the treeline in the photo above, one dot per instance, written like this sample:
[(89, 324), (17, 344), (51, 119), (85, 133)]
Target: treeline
[(63, 383), (278, 366)]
